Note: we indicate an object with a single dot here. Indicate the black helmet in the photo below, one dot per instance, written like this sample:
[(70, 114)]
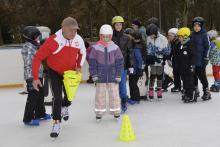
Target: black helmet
[(30, 33), (198, 20), (129, 31), (152, 29), (153, 20)]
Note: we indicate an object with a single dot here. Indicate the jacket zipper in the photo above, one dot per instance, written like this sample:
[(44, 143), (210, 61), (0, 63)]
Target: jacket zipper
[(106, 63)]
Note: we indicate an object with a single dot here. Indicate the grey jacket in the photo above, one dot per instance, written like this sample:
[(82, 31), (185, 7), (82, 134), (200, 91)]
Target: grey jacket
[(28, 51)]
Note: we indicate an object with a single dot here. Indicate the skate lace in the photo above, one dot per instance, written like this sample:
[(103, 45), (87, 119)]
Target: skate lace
[(56, 128), (151, 92), (159, 92), (65, 111)]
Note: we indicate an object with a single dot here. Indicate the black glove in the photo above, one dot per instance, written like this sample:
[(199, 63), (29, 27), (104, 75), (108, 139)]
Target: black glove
[(206, 61), (157, 60), (150, 59), (139, 72), (29, 84)]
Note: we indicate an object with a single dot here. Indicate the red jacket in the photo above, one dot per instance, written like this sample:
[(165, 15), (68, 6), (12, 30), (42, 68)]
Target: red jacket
[(61, 54)]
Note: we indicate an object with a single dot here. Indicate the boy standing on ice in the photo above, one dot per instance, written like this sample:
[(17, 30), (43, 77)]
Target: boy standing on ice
[(105, 65), (65, 50), (34, 109), (201, 44), (186, 62)]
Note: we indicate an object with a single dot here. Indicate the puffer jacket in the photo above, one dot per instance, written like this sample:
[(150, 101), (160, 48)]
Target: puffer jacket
[(138, 51), (187, 57), (28, 51), (214, 54), (61, 54), (175, 53), (157, 49), (125, 44), (106, 63), (201, 43)]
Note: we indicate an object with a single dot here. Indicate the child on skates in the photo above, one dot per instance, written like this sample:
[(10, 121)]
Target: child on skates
[(201, 44), (34, 109), (106, 63), (139, 52), (174, 58), (214, 57), (157, 48)]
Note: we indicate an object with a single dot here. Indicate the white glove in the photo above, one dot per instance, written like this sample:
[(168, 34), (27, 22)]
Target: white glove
[(131, 70), (118, 79), (95, 79), (169, 63)]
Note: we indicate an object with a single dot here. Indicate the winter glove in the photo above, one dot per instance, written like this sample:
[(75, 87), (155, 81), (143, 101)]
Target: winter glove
[(118, 79), (157, 60), (95, 79), (206, 61), (169, 63), (192, 68), (150, 59), (159, 52), (45, 71), (131, 70), (29, 84)]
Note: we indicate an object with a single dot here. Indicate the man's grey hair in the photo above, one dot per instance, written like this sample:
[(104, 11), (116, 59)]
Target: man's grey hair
[(70, 22)]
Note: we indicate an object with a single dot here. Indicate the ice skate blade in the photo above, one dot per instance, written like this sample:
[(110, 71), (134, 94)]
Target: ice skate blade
[(53, 139)]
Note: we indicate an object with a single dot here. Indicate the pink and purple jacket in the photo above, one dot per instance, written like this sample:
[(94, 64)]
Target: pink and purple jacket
[(106, 62)]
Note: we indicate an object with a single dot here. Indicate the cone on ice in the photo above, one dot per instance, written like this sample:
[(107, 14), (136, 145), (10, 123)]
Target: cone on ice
[(127, 132)]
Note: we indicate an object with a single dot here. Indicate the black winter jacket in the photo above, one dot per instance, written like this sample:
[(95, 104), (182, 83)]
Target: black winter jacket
[(125, 44)]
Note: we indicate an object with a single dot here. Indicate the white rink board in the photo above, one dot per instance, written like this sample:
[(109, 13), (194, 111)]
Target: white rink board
[(12, 67)]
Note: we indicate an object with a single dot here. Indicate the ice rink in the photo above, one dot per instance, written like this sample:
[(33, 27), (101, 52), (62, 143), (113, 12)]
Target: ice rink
[(168, 123)]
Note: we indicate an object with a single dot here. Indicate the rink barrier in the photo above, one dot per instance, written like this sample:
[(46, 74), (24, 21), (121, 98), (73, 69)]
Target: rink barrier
[(12, 86), (12, 73), (22, 85)]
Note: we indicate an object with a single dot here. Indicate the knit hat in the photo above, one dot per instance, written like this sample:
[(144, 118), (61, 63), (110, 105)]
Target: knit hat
[(212, 34), (198, 20), (106, 30), (153, 20), (136, 22), (151, 29)]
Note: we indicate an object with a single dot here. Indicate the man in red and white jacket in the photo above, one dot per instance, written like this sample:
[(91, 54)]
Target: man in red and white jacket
[(65, 50)]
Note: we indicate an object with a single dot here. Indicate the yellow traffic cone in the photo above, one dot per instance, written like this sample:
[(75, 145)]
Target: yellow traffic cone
[(127, 132), (71, 80)]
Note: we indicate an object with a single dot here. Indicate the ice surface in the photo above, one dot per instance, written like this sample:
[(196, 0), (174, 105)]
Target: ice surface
[(168, 123)]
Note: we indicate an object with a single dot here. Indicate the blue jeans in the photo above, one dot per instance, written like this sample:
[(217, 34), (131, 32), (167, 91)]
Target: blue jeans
[(122, 86)]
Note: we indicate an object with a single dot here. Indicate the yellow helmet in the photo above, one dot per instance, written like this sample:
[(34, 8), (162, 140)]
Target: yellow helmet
[(117, 19), (184, 32)]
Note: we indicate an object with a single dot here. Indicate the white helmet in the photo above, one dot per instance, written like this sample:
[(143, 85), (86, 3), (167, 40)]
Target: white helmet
[(173, 31), (212, 34), (106, 30)]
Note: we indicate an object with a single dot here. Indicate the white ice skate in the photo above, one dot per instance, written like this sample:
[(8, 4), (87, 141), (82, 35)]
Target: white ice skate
[(117, 117), (65, 113), (98, 119), (55, 131)]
